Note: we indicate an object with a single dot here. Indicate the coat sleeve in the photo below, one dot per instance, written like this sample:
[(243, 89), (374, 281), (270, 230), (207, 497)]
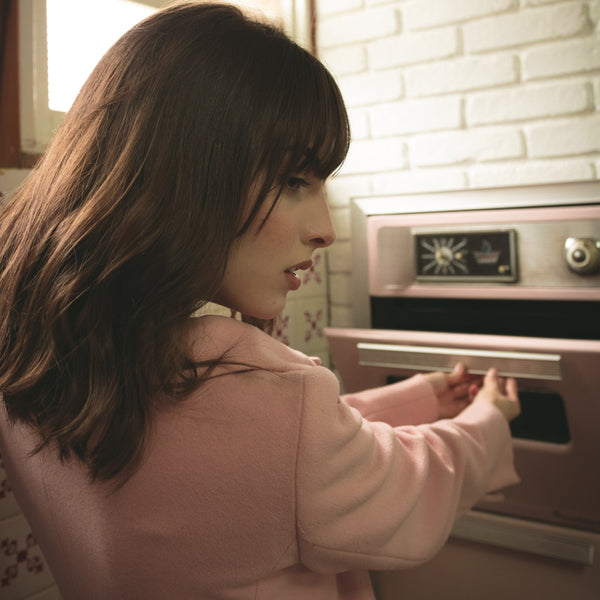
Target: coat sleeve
[(408, 402), (369, 495)]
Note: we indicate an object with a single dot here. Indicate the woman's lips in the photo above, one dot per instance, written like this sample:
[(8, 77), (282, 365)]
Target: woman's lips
[(293, 279)]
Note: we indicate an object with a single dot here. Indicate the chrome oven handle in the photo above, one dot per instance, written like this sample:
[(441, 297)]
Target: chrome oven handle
[(526, 536), (527, 365)]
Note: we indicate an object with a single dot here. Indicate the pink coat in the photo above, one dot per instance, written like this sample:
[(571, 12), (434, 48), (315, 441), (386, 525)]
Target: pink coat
[(264, 485)]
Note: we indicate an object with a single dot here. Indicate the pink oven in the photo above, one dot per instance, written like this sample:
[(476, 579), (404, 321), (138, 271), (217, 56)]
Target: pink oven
[(506, 277)]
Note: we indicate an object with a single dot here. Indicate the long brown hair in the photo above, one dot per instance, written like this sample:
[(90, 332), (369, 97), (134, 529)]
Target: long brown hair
[(124, 228)]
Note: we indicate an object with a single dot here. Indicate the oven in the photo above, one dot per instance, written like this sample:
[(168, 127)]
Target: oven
[(494, 277)]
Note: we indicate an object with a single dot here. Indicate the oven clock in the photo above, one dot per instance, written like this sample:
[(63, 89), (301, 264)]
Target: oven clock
[(466, 256)]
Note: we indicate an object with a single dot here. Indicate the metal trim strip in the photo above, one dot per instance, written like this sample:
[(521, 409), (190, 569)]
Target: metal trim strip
[(514, 534), (527, 365)]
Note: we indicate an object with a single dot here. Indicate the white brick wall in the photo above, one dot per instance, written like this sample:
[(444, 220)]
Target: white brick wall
[(452, 94)]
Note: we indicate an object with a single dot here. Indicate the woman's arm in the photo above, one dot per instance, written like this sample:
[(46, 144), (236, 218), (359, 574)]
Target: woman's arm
[(374, 496), (418, 399)]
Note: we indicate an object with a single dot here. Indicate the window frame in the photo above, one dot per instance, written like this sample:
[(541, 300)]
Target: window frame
[(24, 107)]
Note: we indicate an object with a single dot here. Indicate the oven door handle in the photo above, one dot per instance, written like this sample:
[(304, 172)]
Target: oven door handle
[(527, 365), (526, 536)]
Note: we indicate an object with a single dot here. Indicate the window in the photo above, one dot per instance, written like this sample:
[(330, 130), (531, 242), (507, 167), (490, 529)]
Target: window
[(60, 41)]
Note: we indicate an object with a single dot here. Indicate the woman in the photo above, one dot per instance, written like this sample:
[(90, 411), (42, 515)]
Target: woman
[(158, 455)]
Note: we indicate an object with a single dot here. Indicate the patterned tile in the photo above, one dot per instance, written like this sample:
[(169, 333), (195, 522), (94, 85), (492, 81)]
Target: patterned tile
[(23, 569), (301, 325), (8, 503), (314, 280), (49, 594)]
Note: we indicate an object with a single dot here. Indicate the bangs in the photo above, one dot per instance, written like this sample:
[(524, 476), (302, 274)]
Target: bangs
[(302, 123), (316, 124)]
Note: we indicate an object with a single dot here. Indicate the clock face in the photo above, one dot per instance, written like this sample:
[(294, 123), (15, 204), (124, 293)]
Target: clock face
[(472, 256), (445, 255)]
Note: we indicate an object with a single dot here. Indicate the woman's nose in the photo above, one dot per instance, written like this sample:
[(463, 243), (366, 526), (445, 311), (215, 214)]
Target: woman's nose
[(321, 232)]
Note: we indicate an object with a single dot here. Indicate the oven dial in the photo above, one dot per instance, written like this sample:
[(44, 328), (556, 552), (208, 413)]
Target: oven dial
[(582, 255)]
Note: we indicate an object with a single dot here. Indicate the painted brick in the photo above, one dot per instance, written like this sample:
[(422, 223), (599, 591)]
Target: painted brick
[(465, 146), (413, 48), (332, 7), (421, 15), (561, 58), (380, 2), (341, 316), (341, 188), (341, 220), (538, 2), (373, 156), (339, 257), (359, 123), (461, 74), (565, 137), (596, 84), (530, 172), (368, 88), (344, 60), (413, 116), (528, 102), (419, 180), (340, 288), (526, 26), (356, 27), (594, 8)]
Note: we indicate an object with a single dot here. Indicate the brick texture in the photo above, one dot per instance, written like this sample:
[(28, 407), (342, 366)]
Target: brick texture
[(419, 15), (525, 27), (451, 94)]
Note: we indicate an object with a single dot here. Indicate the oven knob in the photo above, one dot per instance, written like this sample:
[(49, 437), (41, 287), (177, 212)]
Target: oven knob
[(582, 255)]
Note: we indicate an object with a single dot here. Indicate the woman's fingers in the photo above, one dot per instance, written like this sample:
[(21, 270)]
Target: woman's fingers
[(511, 389)]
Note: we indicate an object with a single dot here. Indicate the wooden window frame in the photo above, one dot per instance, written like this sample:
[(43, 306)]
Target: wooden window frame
[(12, 153)]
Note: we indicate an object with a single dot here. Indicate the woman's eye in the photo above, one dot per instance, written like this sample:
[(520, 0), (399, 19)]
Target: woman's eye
[(296, 183)]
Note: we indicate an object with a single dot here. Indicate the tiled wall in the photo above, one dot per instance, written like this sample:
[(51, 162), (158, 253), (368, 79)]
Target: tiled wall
[(454, 94), (24, 573), (306, 313)]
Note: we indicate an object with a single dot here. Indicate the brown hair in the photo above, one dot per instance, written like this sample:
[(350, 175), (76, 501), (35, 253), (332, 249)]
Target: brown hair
[(124, 228)]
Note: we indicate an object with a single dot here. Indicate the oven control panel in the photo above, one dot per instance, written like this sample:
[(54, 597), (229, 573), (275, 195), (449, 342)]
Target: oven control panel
[(488, 256)]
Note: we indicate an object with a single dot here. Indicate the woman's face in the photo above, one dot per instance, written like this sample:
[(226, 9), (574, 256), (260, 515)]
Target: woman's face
[(262, 263)]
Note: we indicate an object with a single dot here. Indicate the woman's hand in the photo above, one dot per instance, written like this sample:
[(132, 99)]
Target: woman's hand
[(500, 392), (454, 390)]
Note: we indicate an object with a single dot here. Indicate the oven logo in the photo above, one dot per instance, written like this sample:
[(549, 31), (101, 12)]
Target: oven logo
[(487, 255), (445, 256)]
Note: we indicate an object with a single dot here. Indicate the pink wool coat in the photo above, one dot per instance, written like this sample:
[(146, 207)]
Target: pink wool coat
[(264, 485)]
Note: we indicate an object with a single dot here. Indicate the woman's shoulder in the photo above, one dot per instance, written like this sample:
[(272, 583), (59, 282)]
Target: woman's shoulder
[(214, 335)]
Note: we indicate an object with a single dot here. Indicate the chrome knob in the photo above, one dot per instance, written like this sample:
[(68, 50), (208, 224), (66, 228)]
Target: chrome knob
[(582, 255)]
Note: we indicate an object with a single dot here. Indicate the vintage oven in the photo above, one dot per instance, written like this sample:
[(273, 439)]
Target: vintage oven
[(506, 277)]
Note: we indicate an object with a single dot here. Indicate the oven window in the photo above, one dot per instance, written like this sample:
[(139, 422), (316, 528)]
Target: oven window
[(543, 417), (531, 318)]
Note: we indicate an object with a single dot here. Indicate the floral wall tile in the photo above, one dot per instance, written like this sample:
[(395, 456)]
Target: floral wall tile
[(301, 324), (23, 569), (8, 502), (314, 280)]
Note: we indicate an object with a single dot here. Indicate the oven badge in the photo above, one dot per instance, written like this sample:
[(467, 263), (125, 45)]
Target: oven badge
[(473, 256)]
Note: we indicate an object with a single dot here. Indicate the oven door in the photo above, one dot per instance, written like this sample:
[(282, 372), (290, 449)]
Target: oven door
[(553, 515), (506, 567)]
